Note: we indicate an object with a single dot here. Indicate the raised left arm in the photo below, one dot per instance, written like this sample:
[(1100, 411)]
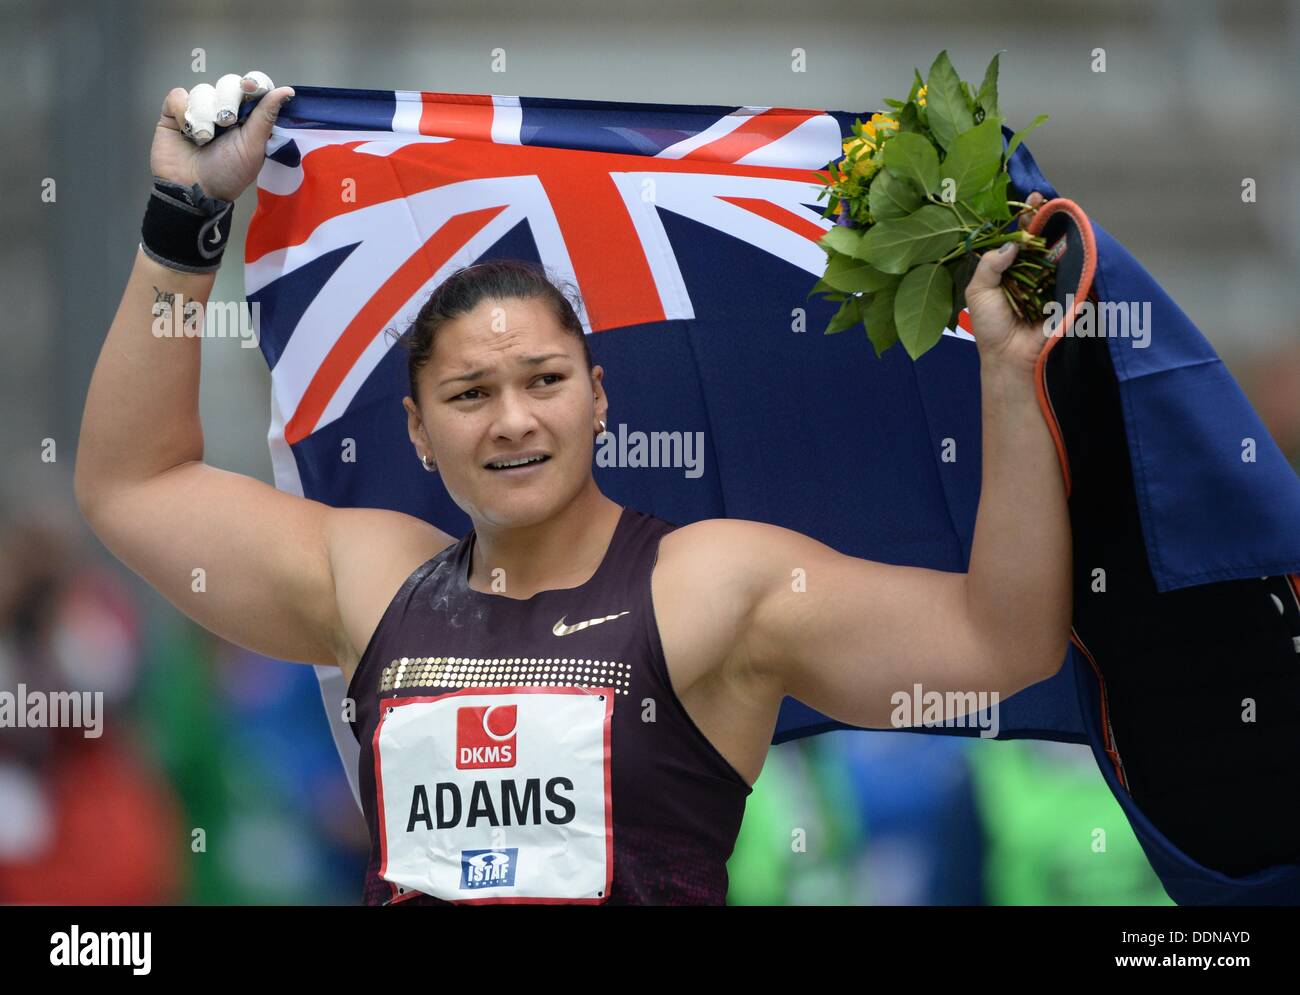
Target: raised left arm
[(843, 634)]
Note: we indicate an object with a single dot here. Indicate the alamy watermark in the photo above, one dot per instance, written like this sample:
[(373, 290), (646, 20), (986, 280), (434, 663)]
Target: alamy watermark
[(23, 709), (960, 709), (102, 949), (176, 317), (1109, 319), (651, 449)]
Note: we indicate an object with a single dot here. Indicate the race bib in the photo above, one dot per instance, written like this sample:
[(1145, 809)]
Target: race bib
[(497, 795)]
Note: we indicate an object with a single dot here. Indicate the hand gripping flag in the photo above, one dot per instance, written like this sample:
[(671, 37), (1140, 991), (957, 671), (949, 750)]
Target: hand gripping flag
[(691, 232)]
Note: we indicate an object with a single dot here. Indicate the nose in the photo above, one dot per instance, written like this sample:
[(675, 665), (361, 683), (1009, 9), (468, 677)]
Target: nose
[(513, 417)]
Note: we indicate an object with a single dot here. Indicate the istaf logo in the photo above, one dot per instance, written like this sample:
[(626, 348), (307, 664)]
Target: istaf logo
[(488, 868), (485, 736)]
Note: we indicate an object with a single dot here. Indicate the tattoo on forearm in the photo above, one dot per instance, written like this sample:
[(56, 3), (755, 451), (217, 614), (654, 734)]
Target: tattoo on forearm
[(164, 300)]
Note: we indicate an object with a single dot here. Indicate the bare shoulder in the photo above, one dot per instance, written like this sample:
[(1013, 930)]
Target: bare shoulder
[(707, 580), (372, 552), (744, 556), (709, 577)]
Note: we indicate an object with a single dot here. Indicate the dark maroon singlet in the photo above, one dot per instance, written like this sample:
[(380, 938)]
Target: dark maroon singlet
[(533, 750)]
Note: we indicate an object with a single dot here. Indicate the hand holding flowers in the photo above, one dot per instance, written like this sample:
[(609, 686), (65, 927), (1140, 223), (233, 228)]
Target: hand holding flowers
[(920, 193)]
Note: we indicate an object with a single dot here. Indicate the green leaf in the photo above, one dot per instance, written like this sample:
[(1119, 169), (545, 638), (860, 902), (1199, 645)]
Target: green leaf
[(892, 196), (878, 317), (921, 237), (987, 97), (896, 104), (992, 203), (945, 102), (849, 314), (820, 287), (828, 292), (912, 157), (974, 158), (855, 276), (909, 119), (921, 308), (917, 83), (967, 215), (842, 239), (1019, 136)]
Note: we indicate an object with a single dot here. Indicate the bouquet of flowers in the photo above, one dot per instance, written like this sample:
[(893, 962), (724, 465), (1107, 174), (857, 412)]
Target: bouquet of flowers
[(920, 193)]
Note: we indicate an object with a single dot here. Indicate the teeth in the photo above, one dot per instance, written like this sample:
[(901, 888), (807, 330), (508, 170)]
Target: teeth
[(518, 462)]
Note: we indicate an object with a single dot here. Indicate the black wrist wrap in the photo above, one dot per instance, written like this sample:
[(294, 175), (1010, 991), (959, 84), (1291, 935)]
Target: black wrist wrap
[(184, 229)]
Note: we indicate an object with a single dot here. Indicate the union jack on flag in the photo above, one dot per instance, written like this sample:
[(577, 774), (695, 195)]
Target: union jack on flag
[(690, 232), (420, 184)]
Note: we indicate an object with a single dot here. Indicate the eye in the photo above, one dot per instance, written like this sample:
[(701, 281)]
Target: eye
[(466, 394), (555, 378)]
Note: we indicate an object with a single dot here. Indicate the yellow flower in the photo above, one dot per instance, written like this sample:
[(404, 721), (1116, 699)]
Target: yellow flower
[(858, 145), (865, 168), (920, 96), (862, 150), (878, 123)]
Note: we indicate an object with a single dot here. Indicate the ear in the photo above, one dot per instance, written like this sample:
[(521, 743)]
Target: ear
[(601, 403), (415, 428)]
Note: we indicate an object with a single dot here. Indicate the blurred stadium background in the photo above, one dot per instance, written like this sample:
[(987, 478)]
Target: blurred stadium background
[(1197, 95)]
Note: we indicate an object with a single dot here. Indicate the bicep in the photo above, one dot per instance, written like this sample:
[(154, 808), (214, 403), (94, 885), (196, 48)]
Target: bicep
[(243, 559)]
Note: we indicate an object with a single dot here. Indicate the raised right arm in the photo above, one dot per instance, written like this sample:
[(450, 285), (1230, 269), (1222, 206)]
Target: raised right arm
[(243, 559), (253, 564)]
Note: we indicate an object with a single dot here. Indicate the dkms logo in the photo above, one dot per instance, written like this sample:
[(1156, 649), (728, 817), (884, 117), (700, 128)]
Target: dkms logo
[(488, 868), (485, 736)]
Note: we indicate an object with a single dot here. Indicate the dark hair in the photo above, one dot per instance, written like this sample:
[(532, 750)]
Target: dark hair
[(497, 279)]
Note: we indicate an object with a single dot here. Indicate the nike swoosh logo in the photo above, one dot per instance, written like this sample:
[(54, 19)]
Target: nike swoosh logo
[(216, 237), (560, 629)]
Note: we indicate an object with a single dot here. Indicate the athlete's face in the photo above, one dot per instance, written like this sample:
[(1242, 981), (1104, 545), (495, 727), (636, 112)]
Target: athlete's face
[(505, 382)]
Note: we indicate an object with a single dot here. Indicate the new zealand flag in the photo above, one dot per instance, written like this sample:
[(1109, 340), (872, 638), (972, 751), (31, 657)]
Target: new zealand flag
[(690, 232)]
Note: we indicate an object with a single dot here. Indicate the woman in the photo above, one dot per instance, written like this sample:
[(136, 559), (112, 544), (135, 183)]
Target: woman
[(570, 703)]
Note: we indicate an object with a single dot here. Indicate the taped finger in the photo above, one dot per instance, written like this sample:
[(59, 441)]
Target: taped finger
[(200, 113), (229, 92), (255, 84)]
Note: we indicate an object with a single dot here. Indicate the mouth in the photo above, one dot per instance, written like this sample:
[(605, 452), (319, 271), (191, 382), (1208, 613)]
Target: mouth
[(513, 466)]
